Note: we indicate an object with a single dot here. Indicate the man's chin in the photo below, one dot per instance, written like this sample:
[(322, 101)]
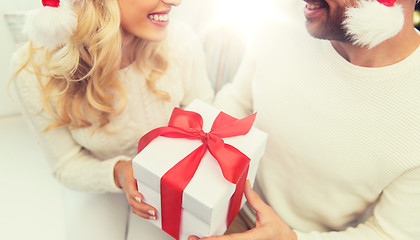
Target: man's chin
[(321, 31), (314, 31)]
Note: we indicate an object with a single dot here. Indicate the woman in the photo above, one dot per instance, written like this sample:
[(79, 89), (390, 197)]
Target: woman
[(91, 95)]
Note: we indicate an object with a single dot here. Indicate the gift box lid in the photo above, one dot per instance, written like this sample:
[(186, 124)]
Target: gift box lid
[(208, 191)]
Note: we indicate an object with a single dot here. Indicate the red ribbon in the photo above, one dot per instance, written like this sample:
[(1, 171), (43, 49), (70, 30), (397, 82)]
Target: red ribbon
[(234, 164)]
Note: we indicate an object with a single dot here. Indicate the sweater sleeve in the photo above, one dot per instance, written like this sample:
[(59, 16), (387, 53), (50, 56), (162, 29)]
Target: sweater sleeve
[(235, 98), (70, 163), (395, 216)]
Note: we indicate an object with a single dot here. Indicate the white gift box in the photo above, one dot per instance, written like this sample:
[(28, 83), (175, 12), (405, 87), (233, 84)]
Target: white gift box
[(205, 200)]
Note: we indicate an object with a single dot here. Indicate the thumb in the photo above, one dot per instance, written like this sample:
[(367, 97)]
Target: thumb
[(254, 200)]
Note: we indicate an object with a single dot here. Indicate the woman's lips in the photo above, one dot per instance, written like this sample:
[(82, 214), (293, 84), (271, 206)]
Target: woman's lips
[(158, 17)]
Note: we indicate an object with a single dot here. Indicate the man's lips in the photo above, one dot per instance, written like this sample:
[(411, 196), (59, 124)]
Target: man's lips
[(314, 9), (313, 5)]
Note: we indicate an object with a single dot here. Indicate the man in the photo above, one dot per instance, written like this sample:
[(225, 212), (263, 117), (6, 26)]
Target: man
[(342, 110)]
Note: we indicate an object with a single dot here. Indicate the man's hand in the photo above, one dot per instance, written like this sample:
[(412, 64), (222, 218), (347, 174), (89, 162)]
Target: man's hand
[(268, 225)]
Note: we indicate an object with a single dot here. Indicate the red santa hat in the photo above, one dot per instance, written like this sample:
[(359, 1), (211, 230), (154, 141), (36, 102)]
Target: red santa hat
[(53, 24), (373, 21)]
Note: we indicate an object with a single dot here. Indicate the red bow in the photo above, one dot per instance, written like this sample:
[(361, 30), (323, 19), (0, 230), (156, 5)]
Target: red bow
[(234, 164)]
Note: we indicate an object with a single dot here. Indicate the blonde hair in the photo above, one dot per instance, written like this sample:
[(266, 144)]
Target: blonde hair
[(82, 87)]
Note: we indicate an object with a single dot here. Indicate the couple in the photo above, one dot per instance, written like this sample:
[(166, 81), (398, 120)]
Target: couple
[(341, 106)]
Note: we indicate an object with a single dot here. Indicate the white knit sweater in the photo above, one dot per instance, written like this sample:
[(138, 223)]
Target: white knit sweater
[(85, 162), (343, 156)]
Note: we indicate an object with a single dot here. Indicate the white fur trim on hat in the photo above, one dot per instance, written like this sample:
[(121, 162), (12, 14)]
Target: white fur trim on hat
[(371, 22), (51, 26)]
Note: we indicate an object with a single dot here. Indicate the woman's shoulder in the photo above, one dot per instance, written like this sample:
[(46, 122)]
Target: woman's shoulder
[(25, 84), (25, 54), (20, 56), (21, 70)]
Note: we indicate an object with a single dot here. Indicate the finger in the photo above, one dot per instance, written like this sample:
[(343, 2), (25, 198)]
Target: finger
[(133, 190), (253, 199), (134, 197), (133, 193), (143, 214), (143, 208)]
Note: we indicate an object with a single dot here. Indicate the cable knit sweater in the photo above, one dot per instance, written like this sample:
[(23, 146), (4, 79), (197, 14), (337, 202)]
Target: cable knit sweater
[(343, 157), (85, 162)]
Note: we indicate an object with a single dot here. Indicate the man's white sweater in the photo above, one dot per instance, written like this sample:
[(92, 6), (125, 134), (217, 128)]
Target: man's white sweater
[(343, 156)]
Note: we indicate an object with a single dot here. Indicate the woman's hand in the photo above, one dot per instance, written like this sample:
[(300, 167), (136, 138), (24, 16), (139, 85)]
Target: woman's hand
[(268, 225), (123, 177)]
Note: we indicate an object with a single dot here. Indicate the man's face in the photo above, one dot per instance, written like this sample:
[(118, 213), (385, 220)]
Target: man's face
[(324, 18)]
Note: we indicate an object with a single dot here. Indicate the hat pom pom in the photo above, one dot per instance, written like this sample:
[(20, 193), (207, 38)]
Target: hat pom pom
[(371, 23), (50, 26)]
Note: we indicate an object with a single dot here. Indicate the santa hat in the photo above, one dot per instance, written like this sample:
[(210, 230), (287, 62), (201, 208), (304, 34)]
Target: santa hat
[(373, 21), (53, 24)]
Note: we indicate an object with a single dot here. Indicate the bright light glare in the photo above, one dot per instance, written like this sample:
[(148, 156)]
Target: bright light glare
[(244, 14)]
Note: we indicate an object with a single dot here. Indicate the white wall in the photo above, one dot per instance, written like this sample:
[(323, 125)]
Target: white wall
[(7, 47)]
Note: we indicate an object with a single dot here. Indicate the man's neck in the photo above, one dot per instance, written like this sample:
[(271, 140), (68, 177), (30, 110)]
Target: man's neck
[(387, 53)]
